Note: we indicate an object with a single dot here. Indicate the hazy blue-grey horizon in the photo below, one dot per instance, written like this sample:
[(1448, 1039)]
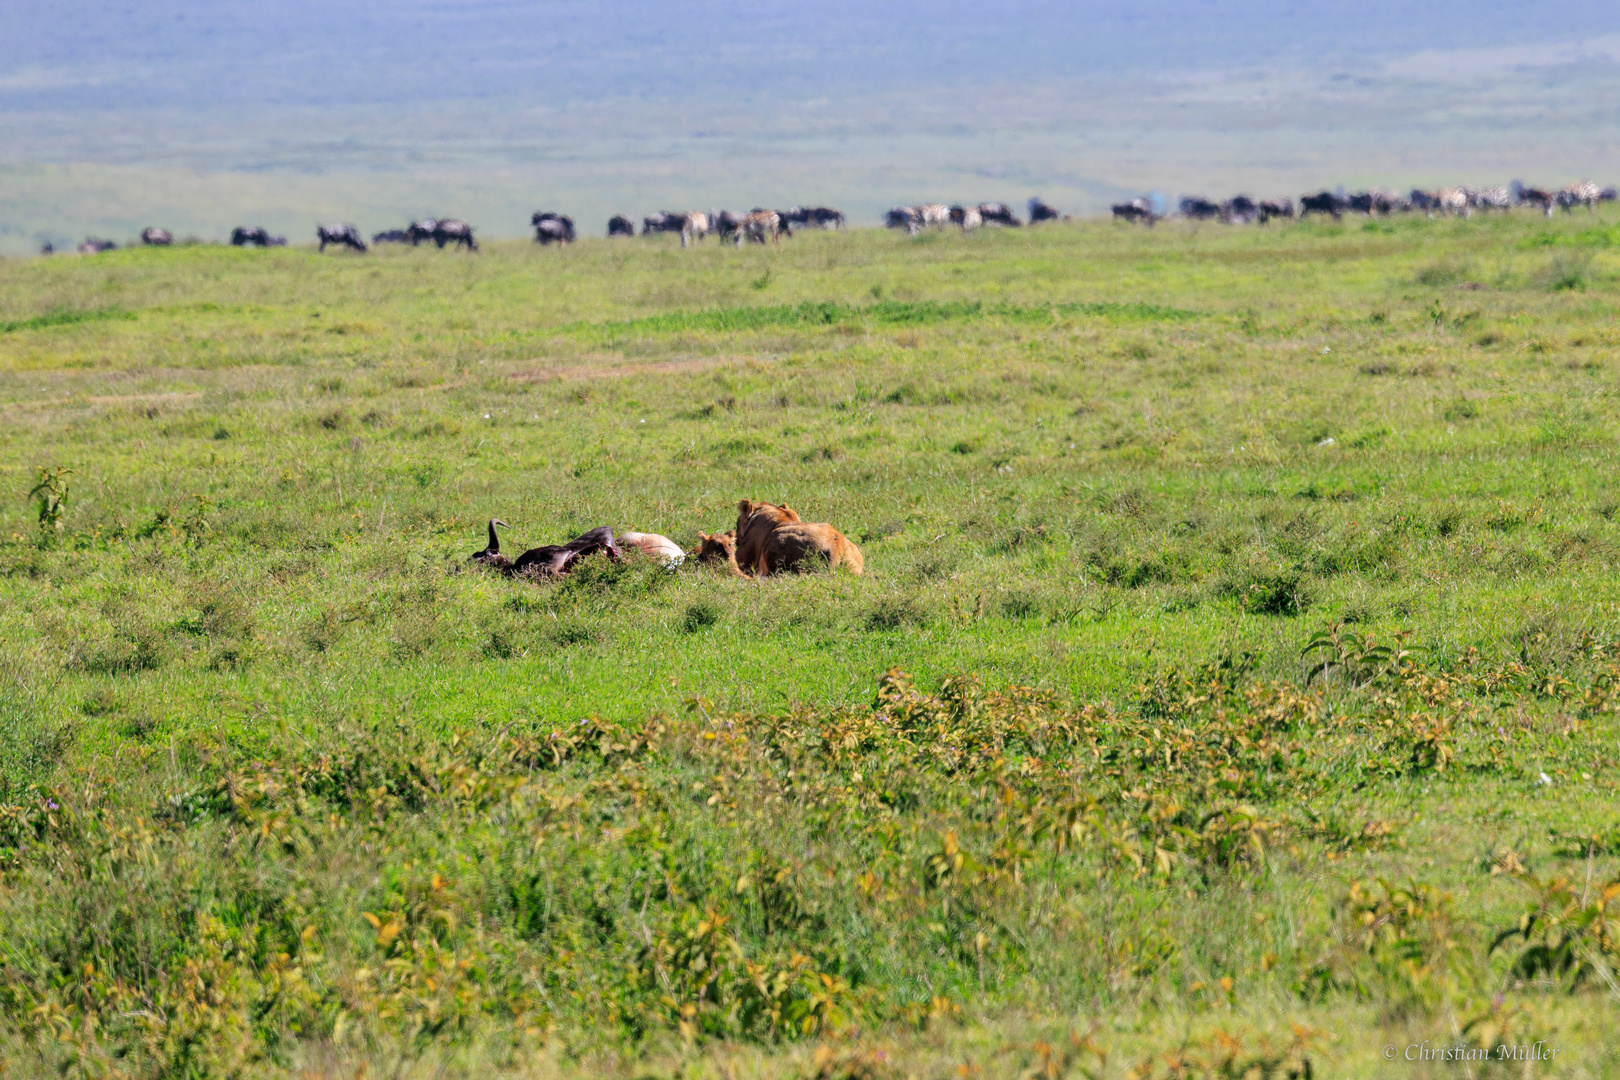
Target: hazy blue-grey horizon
[(117, 114)]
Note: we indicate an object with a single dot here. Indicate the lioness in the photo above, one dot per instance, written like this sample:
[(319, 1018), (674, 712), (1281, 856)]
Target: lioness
[(771, 539), (717, 548)]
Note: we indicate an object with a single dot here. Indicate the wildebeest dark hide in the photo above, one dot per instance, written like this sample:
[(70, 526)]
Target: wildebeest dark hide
[(556, 559), (1040, 211), (249, 236), (825, 217), (454, 231), (421, 231), (95, 246), (908, 218), (152, 236), (47, 248), (276, 241), (1199, 208), (619, 225), (1239, 210), (995, 213), (662, 222), (346, 235), (1137, 210), (1323, 202), (552, 228), (391, 236), (725, 224), (1275, 208)]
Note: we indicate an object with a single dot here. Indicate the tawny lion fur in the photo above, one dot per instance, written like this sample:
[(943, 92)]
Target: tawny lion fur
[(771, 539)]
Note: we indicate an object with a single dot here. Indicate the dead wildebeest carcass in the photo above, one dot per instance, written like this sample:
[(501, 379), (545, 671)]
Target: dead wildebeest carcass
[(152, 236), (552, 228), (345, 235)]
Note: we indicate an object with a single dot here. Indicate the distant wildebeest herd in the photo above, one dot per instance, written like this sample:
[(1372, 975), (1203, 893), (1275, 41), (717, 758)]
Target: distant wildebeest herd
[(761, 225), (1378, 202)]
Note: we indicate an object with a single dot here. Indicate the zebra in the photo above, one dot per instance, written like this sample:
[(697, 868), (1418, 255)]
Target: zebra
[(694, 228), (1491, 198), (756, 225), (1585, 194), (1453, 200)]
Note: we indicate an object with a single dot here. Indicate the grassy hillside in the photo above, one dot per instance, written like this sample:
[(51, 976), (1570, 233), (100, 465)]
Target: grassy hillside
[(1059, 784)]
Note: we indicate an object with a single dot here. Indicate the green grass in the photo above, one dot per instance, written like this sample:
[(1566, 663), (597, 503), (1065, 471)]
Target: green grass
[(641, 821)]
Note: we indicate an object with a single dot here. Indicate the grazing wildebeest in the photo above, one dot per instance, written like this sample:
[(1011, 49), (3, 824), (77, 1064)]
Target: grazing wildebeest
[(1585, 194), (756, 225), (1199, 208), (796, 215), (276, 241), (694, 228), (95, 246), (824, 217), (1386, 202), (347, 235), (1323, 202), (908, 218), (1276, 208), (152, 236), (47, 248), (391, 236), (249, 236), (1426, 201), (1137, 210), (967, 216), (420, 231), (1040, 211), (662, 222), (995, 213), (619, 225), (1538, 197), (552, 228), (725, 224), (454, 231), (1239, 210)]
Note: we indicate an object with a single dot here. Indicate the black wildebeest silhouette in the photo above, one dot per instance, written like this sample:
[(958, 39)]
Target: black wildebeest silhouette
[(1323, 202), (550, 560), (662, 222), (619, 225), (1040, 211), (346, 235), (95, 246), (152, 236), (995, 213), (552, 228), (1136, 211), (1276, 208), (391, 236), (454, 231), (249, 236), (1199, 208)]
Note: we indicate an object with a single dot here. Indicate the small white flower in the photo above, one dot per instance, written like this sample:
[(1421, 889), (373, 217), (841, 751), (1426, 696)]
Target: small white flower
[(1325, 349), (486, 416), (1547, 780), (1329, 441), (644, 421)]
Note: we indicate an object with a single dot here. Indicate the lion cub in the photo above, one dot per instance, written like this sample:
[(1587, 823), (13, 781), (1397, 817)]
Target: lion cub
[(771, 539)]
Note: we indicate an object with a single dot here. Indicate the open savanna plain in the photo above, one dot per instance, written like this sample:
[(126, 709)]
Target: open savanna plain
[(1231, 689)]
